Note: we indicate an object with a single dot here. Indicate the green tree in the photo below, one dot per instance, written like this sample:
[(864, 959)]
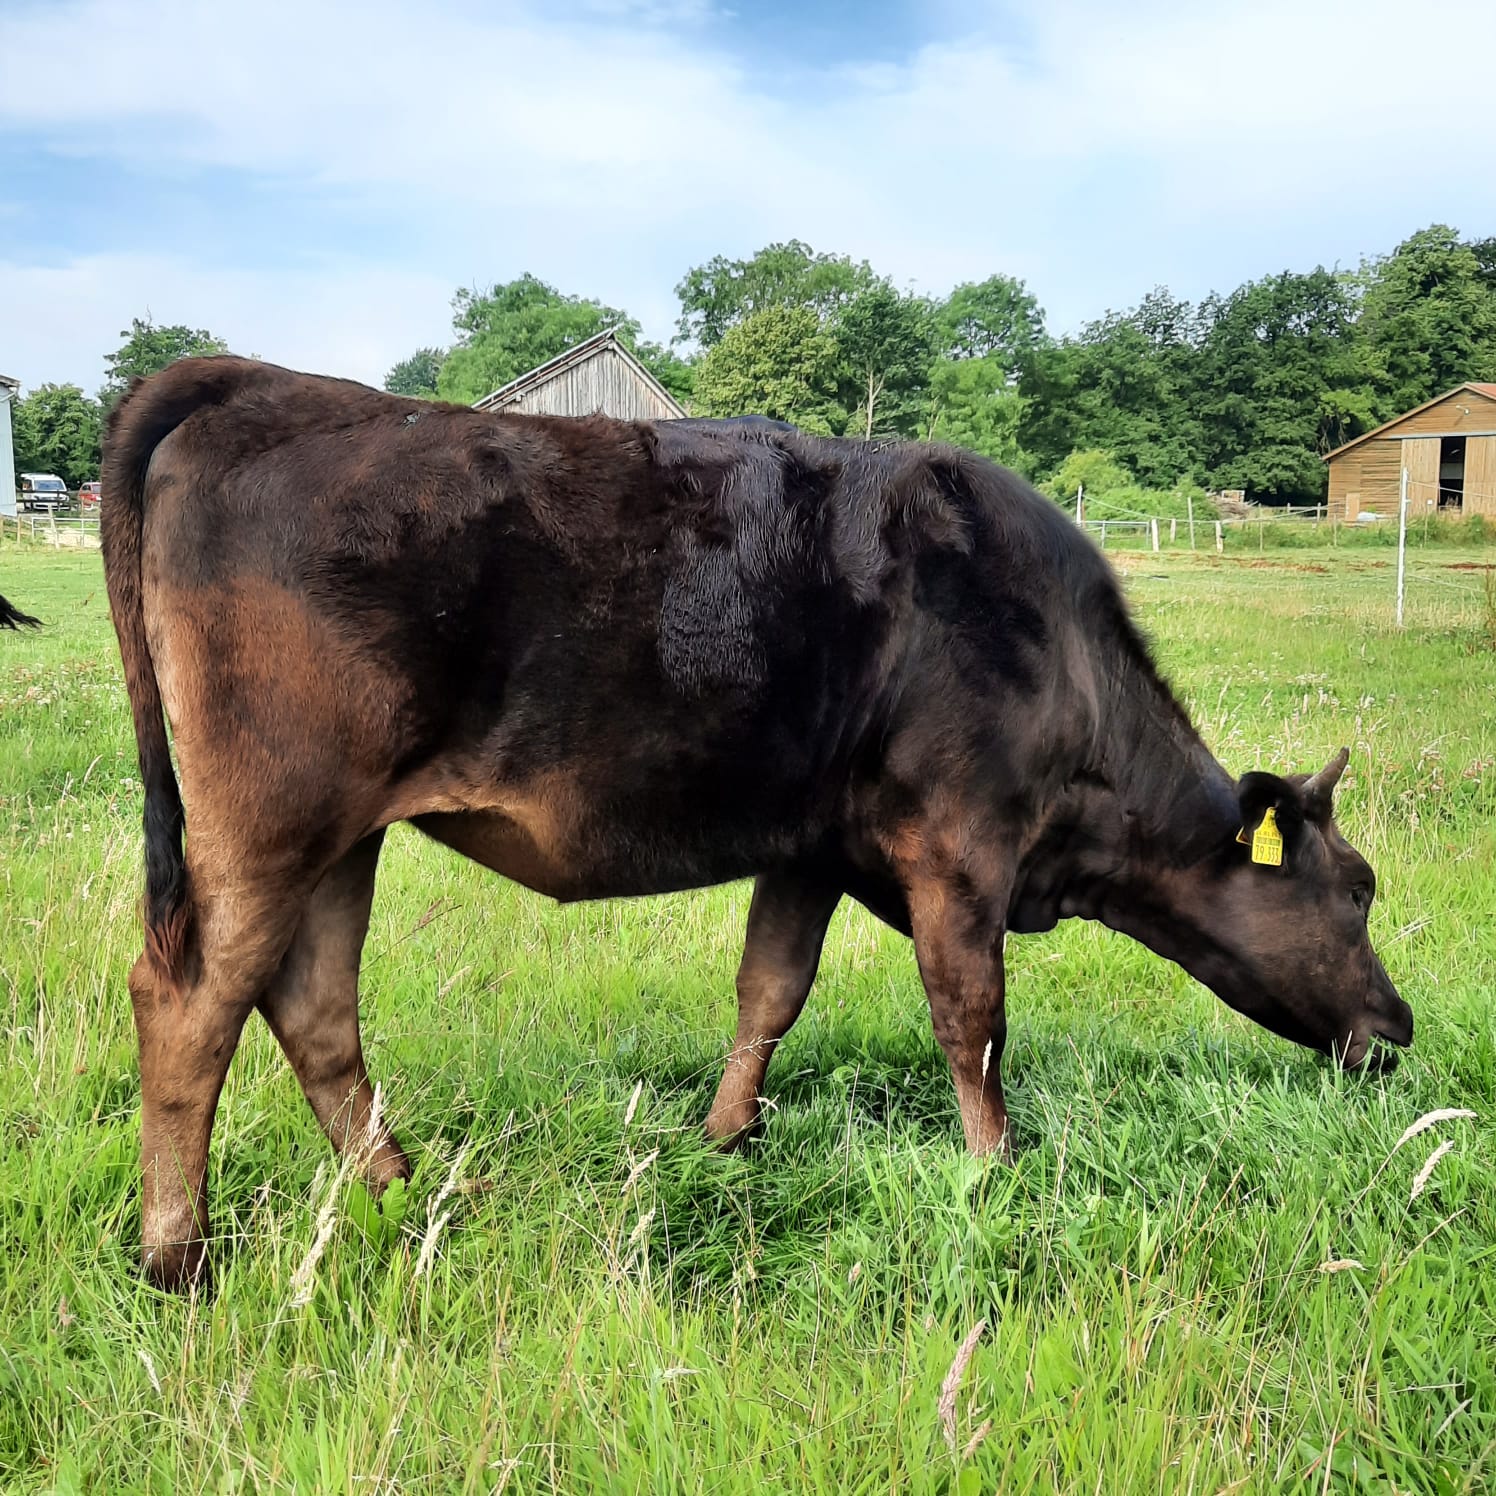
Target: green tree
[(973, 405), (1128, 384), (147, 349), (885, 342), (57, 430), (992, 319), (417, 375), (511, 328), (715, 297), (1428, 313), (779, 362), (1092, 469), (1282, 376), (678, 375)]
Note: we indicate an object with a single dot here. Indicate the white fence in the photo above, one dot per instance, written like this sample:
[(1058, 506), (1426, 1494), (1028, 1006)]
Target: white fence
[(1145, 532), (57, 530)]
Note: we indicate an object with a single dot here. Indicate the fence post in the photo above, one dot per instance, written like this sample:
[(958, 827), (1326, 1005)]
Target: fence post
[(1153, 526), (1080, 499), (1402, 541), (1220, 539), (1173, 531), (1190, 500)]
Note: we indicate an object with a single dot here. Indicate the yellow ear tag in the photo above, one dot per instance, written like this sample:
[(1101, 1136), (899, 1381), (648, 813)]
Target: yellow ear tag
[(1267, 841)]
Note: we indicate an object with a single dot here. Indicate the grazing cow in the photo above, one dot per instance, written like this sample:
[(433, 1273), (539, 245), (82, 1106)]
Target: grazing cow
[(609, 658), (11, 617)]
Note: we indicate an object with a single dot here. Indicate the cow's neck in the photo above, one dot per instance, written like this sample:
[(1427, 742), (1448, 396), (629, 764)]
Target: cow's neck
[(1152, 802), (1168, 797)]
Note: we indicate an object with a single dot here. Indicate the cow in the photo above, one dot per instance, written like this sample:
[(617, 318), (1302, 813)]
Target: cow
[(11, 617), (612, 658)]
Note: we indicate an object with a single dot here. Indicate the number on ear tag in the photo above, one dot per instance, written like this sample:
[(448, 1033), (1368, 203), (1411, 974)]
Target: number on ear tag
[(1267, 841)]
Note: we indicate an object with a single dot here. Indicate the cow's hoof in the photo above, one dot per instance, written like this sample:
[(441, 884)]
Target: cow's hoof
[(178, 1266)]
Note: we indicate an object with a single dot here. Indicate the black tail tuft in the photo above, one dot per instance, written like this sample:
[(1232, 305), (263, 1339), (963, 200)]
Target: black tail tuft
[(11, 617)]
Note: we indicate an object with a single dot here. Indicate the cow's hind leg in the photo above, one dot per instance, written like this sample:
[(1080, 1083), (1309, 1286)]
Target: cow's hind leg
[(188, 1031), (311, 1006), (786, 925), (958, 942)]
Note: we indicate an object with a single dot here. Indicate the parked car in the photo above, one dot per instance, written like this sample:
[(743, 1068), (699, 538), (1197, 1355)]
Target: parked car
[(88, 495), (44, 493)]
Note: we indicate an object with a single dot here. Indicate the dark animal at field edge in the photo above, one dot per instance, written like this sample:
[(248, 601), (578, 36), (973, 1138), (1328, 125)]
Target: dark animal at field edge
[(609, 659), (11, 617)]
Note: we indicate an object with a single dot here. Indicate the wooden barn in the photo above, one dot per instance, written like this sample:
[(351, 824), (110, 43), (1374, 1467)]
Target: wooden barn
[(1448, 447), (597, 376)]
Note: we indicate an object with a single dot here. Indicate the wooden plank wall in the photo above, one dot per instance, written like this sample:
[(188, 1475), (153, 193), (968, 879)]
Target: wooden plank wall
[(1345, 483), (604, 383), (1381, 473), (1480, 475), (1421, 458)]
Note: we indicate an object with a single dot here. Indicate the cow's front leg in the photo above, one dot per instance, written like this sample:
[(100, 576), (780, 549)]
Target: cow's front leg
[(786, 925), (958, 942)]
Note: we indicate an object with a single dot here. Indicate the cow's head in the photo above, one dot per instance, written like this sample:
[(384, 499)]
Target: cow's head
[(1286, 942)]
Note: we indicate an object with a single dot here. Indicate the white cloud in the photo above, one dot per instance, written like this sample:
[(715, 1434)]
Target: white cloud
[(1092, 148)]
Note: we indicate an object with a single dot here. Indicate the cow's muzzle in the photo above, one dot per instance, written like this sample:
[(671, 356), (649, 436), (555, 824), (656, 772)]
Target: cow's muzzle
[(1374, 1045)]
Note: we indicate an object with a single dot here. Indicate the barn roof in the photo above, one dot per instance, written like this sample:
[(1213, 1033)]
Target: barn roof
[(1488, 390), (9, 383), (606, 341)]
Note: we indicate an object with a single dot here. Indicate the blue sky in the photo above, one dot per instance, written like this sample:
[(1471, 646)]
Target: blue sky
[(312, 178)]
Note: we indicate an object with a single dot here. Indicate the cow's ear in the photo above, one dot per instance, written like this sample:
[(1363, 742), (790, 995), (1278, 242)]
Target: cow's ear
[(1256, 794)]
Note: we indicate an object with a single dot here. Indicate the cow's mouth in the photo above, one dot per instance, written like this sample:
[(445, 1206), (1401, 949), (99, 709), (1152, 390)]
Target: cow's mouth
[(1374, 1050)]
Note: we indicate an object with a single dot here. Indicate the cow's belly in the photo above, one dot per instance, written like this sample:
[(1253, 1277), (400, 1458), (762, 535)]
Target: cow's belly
[(590, 859)]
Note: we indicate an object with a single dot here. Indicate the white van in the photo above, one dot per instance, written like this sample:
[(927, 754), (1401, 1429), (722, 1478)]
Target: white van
[(42, 492)]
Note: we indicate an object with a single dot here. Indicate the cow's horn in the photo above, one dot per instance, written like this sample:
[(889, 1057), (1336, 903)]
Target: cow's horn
[(1318, 788)]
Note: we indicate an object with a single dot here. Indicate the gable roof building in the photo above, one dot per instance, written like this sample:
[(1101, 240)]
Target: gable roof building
[(596, 376), (1447, 444)]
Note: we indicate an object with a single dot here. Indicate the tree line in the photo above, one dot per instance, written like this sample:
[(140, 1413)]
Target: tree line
[(1241, 390), (1247, 389), (58, 429)]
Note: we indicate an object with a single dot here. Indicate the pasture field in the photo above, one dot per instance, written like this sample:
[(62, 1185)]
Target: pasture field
[(1211, 1269)]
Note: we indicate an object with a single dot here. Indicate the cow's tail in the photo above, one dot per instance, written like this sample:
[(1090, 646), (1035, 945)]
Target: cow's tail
[(147, 415)]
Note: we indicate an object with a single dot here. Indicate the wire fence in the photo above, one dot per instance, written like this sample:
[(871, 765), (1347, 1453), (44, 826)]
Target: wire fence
[(1150, 532)]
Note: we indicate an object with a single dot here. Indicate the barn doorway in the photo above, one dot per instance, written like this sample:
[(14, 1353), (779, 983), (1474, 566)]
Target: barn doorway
[(1452, 472)]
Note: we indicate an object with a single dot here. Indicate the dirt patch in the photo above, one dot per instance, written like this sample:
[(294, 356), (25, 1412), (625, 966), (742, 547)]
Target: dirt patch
[(1264, 565), (1468, 565)]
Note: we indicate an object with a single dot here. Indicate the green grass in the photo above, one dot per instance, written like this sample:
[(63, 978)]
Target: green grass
[(613, 1306)]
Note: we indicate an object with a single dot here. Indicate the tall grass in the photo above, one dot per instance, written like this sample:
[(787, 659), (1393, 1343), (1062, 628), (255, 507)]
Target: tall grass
[(1208, 1269)]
